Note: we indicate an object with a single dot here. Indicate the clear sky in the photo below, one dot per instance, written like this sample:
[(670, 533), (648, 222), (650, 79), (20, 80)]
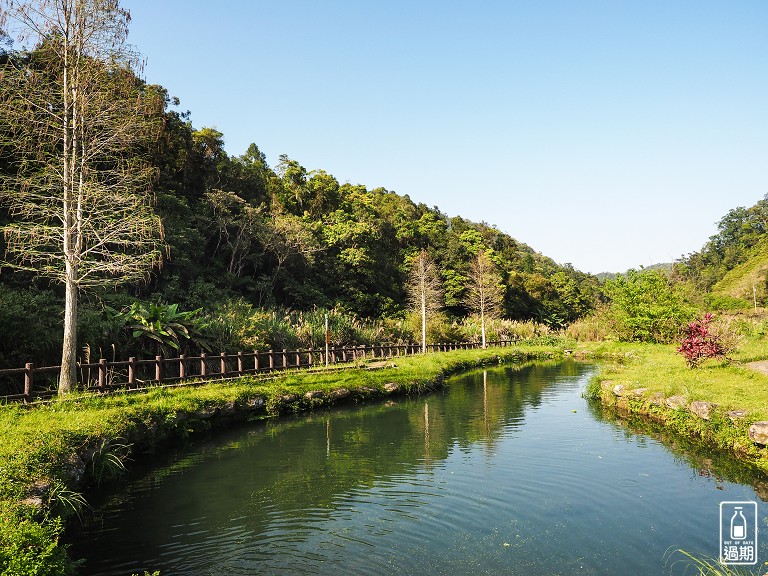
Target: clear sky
[(605, 133)]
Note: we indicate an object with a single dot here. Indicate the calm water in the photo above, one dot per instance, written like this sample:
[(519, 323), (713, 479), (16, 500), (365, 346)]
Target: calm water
[(504, 472)]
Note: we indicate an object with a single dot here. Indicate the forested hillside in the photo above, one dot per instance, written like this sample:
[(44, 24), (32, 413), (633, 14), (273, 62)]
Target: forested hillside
[(245, 238), (732, 267)]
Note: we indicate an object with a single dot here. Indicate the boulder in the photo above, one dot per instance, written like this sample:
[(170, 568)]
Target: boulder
[(701, 408), (619, 389), (657, 398), (313, 394), (391, 387), (229, 409), (676, 402), (637, 392), (206, 413), (736, 414), (340, 393), (758, 432), (256, 403)]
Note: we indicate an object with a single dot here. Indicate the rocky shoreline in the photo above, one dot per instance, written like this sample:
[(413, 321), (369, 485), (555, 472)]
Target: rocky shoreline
[(729, 429)]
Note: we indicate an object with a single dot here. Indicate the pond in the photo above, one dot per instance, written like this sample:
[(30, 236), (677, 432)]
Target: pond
[(505, 471)]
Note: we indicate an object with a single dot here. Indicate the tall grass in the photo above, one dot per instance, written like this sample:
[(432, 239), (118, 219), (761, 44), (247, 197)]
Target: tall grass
[(703, 566), (237, 325)]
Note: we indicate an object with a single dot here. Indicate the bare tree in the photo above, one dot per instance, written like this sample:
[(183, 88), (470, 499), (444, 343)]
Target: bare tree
[(74, 120), (425, 290), (284, 236), (486, 292), (238, 224)]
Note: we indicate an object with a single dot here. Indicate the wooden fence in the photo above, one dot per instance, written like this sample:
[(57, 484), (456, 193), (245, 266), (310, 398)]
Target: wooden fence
[(105, 376)]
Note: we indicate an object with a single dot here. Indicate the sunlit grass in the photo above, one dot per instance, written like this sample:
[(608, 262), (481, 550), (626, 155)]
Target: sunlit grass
[(659, 368)]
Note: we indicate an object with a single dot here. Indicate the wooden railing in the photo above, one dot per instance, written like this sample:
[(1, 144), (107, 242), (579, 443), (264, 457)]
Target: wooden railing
[(105, 375)]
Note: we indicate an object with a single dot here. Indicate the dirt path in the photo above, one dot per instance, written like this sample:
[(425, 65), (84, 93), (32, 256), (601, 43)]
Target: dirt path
[(759, 366)]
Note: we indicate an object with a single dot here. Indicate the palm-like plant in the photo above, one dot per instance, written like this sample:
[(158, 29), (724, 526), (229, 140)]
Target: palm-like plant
[(160, 328)]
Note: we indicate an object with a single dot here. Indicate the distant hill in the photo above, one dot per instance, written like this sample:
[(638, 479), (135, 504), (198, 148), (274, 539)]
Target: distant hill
[(603, 276)]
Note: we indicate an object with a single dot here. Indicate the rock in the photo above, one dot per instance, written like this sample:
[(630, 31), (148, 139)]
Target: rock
[(313, 394), (676, 402), (256, 403), (206, 413), (391, 387), (340, 393), (637, 392), (74, 469), (736, 414), (657, 398), (758, 432), (33, 502), (288, 398), (701, 409), (618, 390), (229, 409)]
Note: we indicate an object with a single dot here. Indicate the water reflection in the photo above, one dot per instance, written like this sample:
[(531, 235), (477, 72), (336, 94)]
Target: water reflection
[(504, 471), (717, 465)]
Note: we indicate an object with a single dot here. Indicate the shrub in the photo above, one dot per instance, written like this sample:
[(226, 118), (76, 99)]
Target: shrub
[(29, 548), (701, 343)]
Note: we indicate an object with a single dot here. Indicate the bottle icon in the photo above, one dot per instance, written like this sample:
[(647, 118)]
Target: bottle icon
[(738, 525)]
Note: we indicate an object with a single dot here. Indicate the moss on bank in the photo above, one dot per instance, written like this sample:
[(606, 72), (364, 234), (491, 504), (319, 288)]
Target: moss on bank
[(50, 453)]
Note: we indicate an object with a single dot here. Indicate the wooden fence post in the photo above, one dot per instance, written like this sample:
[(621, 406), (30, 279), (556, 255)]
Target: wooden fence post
[(223, 363), (203, 367), (239, 363), (159, 368), (131, 371), (29, 380), (182, 366), (271, 359), (298, 358), (256, 360), (285, 358), (102, 373)]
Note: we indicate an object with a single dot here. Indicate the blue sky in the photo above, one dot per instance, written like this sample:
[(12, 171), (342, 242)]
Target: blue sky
[(607, 134)]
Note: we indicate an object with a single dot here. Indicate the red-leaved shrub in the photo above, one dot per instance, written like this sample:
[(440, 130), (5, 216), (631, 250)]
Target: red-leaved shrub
[(701, 343)]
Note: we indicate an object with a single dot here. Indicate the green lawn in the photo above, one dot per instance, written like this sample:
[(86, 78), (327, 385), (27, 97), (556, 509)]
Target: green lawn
[(659, 368)]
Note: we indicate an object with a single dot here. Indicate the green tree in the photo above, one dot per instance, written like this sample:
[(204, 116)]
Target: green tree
[(646, 306), (73, 121)]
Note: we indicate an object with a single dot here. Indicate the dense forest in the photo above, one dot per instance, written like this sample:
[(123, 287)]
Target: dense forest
[(249, 245)]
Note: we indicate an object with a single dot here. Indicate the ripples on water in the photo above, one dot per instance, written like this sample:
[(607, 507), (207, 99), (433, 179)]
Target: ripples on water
[(507, 472)]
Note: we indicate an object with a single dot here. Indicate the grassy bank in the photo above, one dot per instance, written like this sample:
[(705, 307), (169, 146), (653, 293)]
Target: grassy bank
[(50, 454), (654, 381)]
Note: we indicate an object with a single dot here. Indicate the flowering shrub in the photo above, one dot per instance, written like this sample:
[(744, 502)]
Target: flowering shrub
[(701, 342)]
